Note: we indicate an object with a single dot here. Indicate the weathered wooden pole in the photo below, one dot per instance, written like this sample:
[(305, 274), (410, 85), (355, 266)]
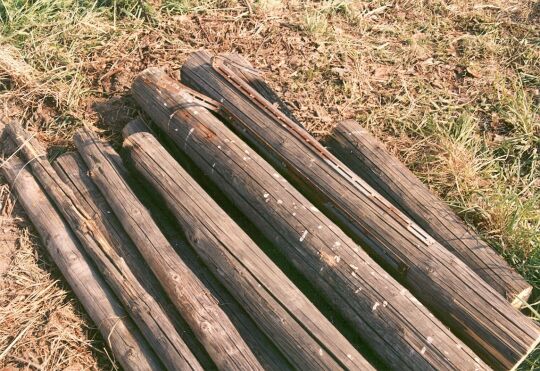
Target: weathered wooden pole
[(171, 230), (297, 328), (384, 313), (367, 157), (168, 323), (458, 296), (128, 346), (199, 308), (97, 236)]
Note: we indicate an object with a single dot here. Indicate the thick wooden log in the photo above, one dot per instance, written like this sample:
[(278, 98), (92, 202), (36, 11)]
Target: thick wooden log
[(166, 325), (98, 238), (172, 231), (385, 314), (297, 328), (457, 295), (127, 344), (367, 156), (200, 309)]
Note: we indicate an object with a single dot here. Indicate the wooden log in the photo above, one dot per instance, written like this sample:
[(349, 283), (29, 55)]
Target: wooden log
[(297, 328), (171, 329), (457, 295), (200, 309), (366, 156), (385, 314), (102, 243), (172, 231), (124, 339)]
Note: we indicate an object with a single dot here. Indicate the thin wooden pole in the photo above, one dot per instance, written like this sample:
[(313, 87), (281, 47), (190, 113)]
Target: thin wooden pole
[(457, 295), (381, 311), (200, 309), (127, 344), (95, 235), (173, 330), (297, 328)]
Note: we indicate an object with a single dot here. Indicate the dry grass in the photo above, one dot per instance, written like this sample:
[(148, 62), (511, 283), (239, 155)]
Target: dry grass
[(453, 87)]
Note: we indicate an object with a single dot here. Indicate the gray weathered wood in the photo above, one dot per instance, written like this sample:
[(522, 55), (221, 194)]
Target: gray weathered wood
[(297, 328), (367, 156), (457, 295), (128, 346), (385, 314), (165, 324), (199, 308), (96, 236)]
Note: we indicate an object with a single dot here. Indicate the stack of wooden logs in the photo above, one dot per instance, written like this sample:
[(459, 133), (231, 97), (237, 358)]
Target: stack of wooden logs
[(227, 237)]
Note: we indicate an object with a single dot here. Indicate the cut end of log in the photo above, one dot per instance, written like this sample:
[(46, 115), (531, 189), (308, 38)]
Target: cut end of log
[(520, 300), (135, 126)]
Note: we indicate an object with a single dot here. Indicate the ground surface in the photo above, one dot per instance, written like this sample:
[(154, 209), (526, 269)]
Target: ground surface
[(452, 87)]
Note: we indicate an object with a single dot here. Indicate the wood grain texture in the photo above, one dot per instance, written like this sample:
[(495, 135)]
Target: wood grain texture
[(297, 328), (261, 346), (123, 337), (95, 235), (403, 332), (200, 309), (457, 295), (367, 156), (146, 301)]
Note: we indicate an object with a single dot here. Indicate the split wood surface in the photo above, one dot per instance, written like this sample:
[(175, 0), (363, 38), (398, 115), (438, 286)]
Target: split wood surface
[(127, 344), (297, 328), (142, 294), (403, 332), (200, 309), (458, 296), (97, 236), (367, 156)]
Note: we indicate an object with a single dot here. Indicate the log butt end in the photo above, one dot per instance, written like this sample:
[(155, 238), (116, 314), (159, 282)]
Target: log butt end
[(520, 299), (527, 353)]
